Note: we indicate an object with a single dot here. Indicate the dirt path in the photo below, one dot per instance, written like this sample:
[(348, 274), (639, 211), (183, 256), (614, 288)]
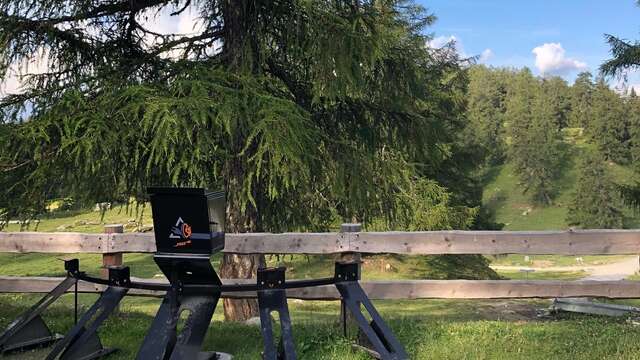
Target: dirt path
[(609, 272), (616, 271)]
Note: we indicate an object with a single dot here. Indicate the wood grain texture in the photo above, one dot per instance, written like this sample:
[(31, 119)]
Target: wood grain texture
[(37, 242), (578, 242), (287, 243), (400, 289), (572, 242)]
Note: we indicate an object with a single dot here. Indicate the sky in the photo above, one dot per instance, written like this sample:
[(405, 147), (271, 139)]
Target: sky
[(551, 37)]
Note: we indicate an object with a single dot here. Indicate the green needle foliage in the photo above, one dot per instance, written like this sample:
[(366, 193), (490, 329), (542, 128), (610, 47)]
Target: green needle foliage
[(485, 110), (535, 148), (596, 203), (581, 95), (608, 128), (633, 116), (625, 56), (306, 112)]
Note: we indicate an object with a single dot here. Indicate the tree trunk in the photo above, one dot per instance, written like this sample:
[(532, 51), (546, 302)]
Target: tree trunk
[(236, 266), (240, 54), (240, 267), (240, 45)]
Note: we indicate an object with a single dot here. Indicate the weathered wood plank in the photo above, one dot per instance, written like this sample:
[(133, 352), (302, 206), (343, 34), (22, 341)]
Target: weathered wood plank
[(573, 242), (294, 243), (287, 243), (25, 242), (132, 242), (578, 242), (401, 289)]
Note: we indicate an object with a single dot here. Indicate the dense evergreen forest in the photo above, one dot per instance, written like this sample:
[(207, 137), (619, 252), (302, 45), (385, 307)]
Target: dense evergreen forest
[(529, 123)]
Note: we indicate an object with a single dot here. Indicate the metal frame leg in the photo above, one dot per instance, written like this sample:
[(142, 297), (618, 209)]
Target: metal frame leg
[(29, 330), (384, 343), (189, 340), (273, 297), (163, 341), (82, 341)]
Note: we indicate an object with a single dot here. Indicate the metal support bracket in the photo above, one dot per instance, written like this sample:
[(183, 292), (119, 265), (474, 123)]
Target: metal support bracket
[(29, 330), (82, 341), (163, 341), (382, 343), (273, 297)]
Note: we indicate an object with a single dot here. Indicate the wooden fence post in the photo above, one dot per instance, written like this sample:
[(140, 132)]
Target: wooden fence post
[(346, 319), (350, 228), (111, 259)]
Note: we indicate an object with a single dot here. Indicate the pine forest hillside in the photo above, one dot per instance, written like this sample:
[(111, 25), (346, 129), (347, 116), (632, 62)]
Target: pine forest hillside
[(555, 155)]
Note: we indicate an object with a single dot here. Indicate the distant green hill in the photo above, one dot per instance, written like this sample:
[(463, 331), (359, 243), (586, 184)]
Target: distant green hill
[(503, 195)]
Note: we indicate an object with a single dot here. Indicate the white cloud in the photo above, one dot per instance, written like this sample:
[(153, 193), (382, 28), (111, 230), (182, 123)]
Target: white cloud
[(187, 23), (442, 41), (625, 89), (551, 59), (10, 85), (13, 81), (486, 55), (164, 23)]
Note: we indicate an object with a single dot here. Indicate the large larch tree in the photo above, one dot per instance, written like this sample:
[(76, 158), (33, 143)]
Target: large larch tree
[(306, 112)]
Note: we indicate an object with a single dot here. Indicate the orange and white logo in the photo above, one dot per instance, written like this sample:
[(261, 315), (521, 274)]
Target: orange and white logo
[(186, 230), (181, 230)]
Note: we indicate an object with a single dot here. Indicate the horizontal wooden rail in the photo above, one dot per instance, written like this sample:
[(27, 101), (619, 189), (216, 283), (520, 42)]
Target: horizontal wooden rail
[(398, 289), (572, 242)]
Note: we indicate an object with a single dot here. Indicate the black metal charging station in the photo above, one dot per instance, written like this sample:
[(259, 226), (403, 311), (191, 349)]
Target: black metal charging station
[(189, 227)]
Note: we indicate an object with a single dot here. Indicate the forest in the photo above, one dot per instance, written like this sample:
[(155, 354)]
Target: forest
[(535, 123)]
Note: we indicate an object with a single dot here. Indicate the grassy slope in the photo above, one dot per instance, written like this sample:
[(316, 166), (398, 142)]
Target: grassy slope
[(503, 195), (87, 221)]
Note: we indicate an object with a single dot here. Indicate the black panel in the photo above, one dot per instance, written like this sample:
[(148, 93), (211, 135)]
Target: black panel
[(188, 220)]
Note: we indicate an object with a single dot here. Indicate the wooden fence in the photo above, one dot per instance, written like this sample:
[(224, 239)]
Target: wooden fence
[(112, 244)]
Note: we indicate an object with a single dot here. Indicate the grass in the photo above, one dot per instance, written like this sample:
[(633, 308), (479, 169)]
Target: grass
[(88, 221), (554, 260), (542, 275), (434, 329), (635, 276)]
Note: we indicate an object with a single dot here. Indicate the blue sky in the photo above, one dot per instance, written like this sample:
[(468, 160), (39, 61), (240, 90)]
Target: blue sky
[(508, 31)]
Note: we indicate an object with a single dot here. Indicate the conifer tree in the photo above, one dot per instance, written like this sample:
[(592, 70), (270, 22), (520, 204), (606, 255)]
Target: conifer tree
[(596, 202), (485, 112), (534, 147), (581, 97), (633, 118), (625, 55), (608, 127), (306, 112), (557, 94)]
